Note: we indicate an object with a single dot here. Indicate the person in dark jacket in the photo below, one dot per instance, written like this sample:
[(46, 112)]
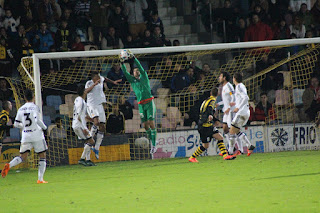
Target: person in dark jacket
[(115, 74), (147, 40), (43, 39), (182, 80), (120, 23), (125, 107), (155, 21), (64, 37), (264, 110), (115, 121)]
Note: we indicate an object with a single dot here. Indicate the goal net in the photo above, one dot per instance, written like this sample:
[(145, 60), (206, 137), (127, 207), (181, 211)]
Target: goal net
[(281, 69)]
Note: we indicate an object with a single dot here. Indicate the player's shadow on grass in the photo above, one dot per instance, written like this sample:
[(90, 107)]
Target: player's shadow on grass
[(286, 176)]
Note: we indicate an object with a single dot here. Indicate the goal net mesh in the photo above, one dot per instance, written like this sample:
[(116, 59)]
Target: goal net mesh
[(282, 71)]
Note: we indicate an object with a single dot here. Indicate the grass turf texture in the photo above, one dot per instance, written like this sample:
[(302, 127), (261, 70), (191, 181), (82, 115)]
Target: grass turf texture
[(269, 182)]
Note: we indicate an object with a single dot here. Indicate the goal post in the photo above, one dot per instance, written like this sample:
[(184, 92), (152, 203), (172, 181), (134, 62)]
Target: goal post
[(176, 108)]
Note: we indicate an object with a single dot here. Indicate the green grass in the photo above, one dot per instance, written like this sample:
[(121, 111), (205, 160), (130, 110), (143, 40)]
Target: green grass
[(270, 182)]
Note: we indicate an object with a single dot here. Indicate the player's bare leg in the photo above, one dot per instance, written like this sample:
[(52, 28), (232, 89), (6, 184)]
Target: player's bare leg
[(15, 161), (42, 167)]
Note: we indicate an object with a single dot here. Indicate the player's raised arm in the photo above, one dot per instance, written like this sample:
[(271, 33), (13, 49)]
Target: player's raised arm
[(129, 77), (136, 61)]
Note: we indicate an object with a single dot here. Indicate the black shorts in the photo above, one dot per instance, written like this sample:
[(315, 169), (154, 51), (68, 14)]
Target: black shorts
[(207, 132)]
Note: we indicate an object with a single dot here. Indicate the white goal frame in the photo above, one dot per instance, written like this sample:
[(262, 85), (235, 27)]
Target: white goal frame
[(98, 53)]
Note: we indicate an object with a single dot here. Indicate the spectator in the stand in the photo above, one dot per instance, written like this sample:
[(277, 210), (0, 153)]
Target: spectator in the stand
[(48, 13), (196, 70), (119, 21), (264, 110), (26, 48), (64, 37), (125, 107), (27, 15), (311, 98), (176, 42), (115, 74), (263, 3), (147, 40), (111, 40), (228, 15), (315, 11), (160, 39), (294, 49), (298, 28), (281, 31), (155, 21), (182, 80), (43, 39), (68, 17), (9, 22), (306, 17), (239, 30), (77, 45), (115, 121), (295, 5), (133, 9), (130, 43), (5, 93), (3, 33), (258, 31), (16, 38), (6, 58), (205, 14), (82, 11), (206, 69), (309, 34), (66, 4), (152, 9), (99, 11), (261, 13)]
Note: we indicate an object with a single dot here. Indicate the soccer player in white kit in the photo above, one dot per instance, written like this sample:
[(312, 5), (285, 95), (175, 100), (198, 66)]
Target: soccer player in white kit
[(95, 100), (28, 119), (79, 126), (242, 115)]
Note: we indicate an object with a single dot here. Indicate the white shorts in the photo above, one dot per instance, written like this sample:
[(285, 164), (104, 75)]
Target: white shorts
[(39, 146), (97, 111), (227, 118), (240, 120), (79, 133)]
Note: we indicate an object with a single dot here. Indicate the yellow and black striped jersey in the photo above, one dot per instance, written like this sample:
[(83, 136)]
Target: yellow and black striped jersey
[(207, 108), (4, 118)]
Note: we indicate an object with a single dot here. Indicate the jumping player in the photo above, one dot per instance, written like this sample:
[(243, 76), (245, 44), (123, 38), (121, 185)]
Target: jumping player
[(141, 86), (242, 114), (28, 119), (79, 126), (95, 100), (207, 130)]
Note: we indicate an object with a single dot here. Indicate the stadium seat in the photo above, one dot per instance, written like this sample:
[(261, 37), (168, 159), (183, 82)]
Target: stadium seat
[(155, 84), (49, 111), (282, 97), (15, 134), (69, 99), (297, 97), (54, 100), (174, 116), (132, 126), (136, 114), (163, 92), (47, 120), (159, 116), (66, 110), (161, 103)]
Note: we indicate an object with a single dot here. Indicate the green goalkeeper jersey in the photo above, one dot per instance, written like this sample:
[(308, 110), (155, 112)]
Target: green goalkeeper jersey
[(141, 86)]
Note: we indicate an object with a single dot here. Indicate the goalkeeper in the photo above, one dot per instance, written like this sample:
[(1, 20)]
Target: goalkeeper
[(141, 86)]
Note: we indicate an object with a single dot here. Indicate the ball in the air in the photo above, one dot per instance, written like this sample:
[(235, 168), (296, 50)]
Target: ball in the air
[(124, 55)]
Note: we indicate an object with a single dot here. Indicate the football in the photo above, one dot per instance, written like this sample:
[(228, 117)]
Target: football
[(124, 55)]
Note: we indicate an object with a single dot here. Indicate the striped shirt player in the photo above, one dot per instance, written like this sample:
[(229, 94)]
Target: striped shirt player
[(141, 87), (79, 126), (242, 115), (207, 130), (28, 119)]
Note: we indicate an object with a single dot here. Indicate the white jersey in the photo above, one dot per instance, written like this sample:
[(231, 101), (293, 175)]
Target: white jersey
[(28, 118), (79, 113), (227, 96), (242, 99), (96, 96)]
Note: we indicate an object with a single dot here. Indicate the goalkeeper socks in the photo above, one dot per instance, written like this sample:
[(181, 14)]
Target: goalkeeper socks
[(153, 136), (42, 168), (244, 139), (240, 144), (85, 151), (93, 130), (149, 133), (15, 161), (222, 148), (99, 140), (231, 144), (198, 151)]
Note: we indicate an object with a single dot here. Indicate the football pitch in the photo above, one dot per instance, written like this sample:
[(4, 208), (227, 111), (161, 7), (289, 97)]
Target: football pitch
[(269, 182)]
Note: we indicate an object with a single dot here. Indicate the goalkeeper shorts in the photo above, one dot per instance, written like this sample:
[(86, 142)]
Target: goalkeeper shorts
[(147, 111)]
